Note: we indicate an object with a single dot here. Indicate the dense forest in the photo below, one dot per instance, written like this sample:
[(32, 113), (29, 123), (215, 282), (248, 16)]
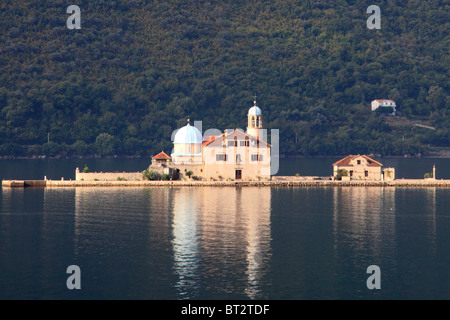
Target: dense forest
[(136, 70)]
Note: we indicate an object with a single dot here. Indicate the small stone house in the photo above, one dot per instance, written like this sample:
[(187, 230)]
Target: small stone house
[(161, 159), (162, 163), (362, 167)]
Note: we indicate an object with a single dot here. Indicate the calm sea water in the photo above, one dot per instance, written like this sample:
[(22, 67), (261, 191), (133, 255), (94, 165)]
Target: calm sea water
[(222, 243)]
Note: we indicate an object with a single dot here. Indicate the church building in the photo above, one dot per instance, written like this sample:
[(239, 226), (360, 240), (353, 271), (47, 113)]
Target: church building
[(235, 154)]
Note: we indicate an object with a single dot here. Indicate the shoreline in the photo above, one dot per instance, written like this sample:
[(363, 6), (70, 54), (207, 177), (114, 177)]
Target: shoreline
[(285, 183), (282, 156)]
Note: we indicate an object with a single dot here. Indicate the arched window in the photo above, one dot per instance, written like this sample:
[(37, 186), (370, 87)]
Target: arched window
[(253, 121), (257, 122), (247, 142)]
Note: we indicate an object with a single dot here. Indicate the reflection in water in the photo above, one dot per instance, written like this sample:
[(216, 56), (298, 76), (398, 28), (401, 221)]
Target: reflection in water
[(221, 236), (394, 228), (123, 238), (185, 243), (225, 243), (12, 200), (363, 223), (216, 243), (365, 217), (364, 231), (430, 196)]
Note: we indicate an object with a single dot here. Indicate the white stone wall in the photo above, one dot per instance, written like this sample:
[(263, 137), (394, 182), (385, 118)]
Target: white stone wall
[(197, 170), (108, 176), (388, 174)]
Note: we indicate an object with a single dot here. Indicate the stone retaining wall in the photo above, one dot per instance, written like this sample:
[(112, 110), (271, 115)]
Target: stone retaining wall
[(191, 183), (108, 176)]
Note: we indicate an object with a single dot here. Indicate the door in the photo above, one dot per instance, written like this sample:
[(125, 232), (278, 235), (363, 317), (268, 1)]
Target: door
[(238, 174)]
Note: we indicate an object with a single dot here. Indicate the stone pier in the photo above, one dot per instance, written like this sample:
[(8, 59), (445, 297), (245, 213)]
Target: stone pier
[(192, 183)]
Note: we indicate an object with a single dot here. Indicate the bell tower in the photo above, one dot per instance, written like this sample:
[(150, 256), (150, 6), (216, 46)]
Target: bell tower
[(254, 123)]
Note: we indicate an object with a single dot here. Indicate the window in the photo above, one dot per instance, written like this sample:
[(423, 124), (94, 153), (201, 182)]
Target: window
[(257, 157), (358, 161), (253, 121), (366, 173), (221, 157), (238, 158), (351, 173), (245, 143), (257, 122), (233, 143)]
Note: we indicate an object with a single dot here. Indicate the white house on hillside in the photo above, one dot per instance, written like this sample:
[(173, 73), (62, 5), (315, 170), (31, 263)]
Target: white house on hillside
[(384, 103)]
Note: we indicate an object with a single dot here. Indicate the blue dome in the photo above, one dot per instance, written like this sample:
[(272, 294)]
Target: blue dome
[(188, 134), (254, 111)]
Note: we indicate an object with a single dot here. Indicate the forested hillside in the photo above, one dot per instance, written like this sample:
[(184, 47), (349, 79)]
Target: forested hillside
[(136, 70)]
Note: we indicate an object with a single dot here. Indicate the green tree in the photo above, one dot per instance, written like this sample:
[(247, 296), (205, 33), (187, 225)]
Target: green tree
[(80, 147), (341, 173), (106, 143), (435, 98), (166, 176), (151, 175)]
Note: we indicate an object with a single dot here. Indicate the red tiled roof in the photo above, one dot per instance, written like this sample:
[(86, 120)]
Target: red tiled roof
[(161, 155), (208, 139), (346, 161), (381, 100), (218, 140), (237, 132)]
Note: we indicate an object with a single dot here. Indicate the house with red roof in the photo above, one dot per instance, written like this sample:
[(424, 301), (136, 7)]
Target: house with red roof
[(162, 157), (362, 167)]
